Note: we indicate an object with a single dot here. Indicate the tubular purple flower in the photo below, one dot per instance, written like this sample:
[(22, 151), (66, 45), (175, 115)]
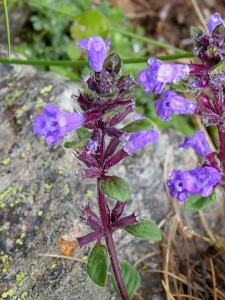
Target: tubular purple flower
[(168, 73), (214, 21), (53, 124), (139, 139), (198, 143), (172, 103), (149, 78), (96, 49), (176, 186), (200, 180)]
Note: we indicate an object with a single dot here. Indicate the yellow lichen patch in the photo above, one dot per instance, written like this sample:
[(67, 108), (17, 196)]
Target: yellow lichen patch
[(89, 193), (11, 204), (28, 146), (5, 226), (40, 213), (31, 199), (6, 192), (60, 170), (18, 122), (22, 154), (20, 188), (53, 266), (45, 90), (5, 267), (34, 262), (20, 277), (47, 186), (7, 294), (19, 241), (52, 98), (66, 190), (40, 102), (6, 161), (11, 97), (23, 234), (2, 205), (24, 295)]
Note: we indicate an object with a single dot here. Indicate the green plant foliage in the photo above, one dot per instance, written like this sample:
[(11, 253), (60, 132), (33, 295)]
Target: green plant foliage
[(116, 188), (218, 69), (83, 132), (138, 125), (145, 229), (98, 265), (197, 202), (131, 279), (78, 144), (89, 23), (181, 87)]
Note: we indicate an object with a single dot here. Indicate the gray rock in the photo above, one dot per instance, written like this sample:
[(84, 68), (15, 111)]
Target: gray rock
[(40, 196)]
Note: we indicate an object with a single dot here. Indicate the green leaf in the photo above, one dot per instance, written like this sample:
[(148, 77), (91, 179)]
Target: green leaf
[(181, 87), (78, 144), (83, 132), (195, 32), (113, 62), (98, 265), (138, 125), (90, 23), (145, 229), (197, 202), (218, 69), (116, 188), (111, 112), (73, 51), (219, 31), (64, 71), (212, 52), (131, 279), (5, 11)]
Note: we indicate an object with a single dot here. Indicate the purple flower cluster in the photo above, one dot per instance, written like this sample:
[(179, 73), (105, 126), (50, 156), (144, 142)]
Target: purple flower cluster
[(210, 50), (172, 103), (198, 181), (53, 124), (198, 143)]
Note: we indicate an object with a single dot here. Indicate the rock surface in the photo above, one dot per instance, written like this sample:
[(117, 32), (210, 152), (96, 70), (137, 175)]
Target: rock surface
[(40, 196)]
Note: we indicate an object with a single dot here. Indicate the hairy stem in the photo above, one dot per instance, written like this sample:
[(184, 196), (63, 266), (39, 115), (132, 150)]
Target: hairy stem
[(110, 243), (218, 101)]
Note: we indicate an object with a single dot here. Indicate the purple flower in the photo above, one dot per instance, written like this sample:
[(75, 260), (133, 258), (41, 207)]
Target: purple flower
[(172, 103), (53, 124), (198, 143), (149, 78), (201, 180), (214, 21), (139, 139), (176, 186), (96, 50), (168, 73), (198, 181)]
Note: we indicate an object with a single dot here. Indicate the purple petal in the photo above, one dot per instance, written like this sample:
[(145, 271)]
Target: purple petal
[(82, 44), (53, 137), (176, 186), (70, 121), (51, 110), (168, 73), (214, 21), (138, 140)]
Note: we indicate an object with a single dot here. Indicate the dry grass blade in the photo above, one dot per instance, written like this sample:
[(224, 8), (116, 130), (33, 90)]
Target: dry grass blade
[(213, 279), (61, 256)]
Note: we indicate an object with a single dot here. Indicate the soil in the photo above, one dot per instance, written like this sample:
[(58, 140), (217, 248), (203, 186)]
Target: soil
[(169, 21)]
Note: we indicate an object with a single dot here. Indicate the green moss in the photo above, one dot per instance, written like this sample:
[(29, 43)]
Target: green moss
[(19, 241), (40, 102), (24, 295), (53, 266), (31, 199)]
